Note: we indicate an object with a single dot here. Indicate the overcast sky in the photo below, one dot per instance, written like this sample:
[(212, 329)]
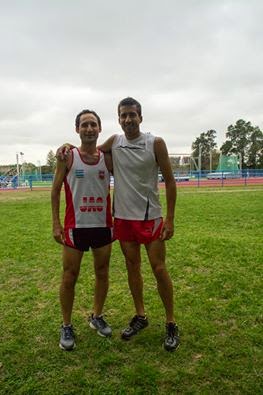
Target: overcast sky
[(194, 65)]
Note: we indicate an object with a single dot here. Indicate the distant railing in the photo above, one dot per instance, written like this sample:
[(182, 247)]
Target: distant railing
[(26, 180), (217, 178), (191, 178)]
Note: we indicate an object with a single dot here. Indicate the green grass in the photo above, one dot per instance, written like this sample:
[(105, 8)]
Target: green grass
[(215, 262)]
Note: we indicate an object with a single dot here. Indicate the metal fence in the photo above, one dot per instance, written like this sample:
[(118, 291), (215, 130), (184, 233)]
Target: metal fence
[(220, 178), (193, 178)]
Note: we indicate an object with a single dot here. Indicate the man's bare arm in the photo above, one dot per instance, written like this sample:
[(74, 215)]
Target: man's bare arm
[(63, 151), (58, 231), (108, 161), (107, 145), (163, 161)]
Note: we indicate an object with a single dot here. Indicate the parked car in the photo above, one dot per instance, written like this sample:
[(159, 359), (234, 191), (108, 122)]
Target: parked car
[(219, 175), (176, 177), (181, 178)]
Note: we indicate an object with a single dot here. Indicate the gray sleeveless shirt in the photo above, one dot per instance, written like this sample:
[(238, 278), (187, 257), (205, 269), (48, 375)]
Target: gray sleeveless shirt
[(136, 195)]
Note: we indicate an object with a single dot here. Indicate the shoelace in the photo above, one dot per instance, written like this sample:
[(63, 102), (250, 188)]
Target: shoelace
[(101, 322), (68, 332), (136, 323), (171, 330)]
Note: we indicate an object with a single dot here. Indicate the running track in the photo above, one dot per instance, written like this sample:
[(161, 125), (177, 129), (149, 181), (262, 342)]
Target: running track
[(191, 183), (221, 183)]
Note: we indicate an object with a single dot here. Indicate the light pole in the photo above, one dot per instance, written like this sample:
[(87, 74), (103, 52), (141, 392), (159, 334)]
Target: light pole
[(39, 169), (200, 159), (17, 168), (22, 164)]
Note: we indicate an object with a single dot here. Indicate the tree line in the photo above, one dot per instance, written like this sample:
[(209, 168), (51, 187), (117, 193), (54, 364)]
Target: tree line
[(242, 139)]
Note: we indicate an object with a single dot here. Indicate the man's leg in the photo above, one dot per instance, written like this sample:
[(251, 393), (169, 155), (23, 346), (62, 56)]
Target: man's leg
[(156, 255), (132, 254), (71, 265), (131, 251), (101, 267)]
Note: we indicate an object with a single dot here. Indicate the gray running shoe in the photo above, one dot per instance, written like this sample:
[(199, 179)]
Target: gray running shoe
[(67, 338), (172, 340), (100, 325), (137, 324)]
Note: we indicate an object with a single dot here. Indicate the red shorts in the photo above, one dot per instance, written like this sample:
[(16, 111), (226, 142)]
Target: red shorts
[(143, 232)]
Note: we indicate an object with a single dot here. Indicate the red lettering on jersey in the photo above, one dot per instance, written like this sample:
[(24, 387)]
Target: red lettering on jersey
[(88, 204)]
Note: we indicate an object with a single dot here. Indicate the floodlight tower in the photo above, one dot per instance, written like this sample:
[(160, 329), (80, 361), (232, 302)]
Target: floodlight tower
[(22, 162), (17, 168), (200, 160), (39, 169)]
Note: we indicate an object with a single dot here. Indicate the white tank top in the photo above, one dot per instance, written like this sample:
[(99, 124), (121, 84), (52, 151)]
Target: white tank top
[(87, 190), (136, 195)]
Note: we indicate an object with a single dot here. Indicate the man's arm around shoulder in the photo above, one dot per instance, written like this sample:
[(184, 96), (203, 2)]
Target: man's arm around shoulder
[(107, 145)]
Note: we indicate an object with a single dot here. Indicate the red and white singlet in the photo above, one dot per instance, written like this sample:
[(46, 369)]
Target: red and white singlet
[(87, 190)]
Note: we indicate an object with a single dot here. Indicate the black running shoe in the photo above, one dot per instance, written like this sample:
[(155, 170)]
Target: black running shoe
[(67, 338), (172, 340), (136, 325)]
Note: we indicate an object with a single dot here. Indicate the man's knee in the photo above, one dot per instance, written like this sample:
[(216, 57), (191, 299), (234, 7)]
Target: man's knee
[(133, 265), (102, 272), (159, 270), (69, 278)]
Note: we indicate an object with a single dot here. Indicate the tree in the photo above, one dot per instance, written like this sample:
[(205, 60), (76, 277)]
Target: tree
[(29, 168), (255, 150), (175, 162), (204, 144), (51, 161), (245, 140)]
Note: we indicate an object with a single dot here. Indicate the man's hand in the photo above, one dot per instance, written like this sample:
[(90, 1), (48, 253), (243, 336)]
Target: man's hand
[(63, 151), (58, 234), (167, 230)]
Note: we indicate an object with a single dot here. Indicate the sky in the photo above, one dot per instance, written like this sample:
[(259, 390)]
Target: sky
[(194, 65)]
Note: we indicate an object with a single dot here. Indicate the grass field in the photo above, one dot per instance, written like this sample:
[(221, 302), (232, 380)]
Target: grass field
[(215, 261)]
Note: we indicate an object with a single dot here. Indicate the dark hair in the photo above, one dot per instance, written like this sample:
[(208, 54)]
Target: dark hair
[(130, 101), (77, 120)]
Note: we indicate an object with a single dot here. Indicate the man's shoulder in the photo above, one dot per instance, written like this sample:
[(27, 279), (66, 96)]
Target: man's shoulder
[(117, 138), (151, 136)]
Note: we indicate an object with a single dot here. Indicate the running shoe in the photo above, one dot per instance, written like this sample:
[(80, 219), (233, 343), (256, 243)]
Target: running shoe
[(100, 325), (67, 338), (172, 340), (137, 324)]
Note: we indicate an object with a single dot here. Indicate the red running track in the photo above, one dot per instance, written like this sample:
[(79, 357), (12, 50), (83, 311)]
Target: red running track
[(221, 183)]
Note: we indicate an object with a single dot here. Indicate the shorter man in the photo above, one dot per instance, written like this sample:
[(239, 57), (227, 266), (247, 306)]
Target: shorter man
[(88, 222)]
